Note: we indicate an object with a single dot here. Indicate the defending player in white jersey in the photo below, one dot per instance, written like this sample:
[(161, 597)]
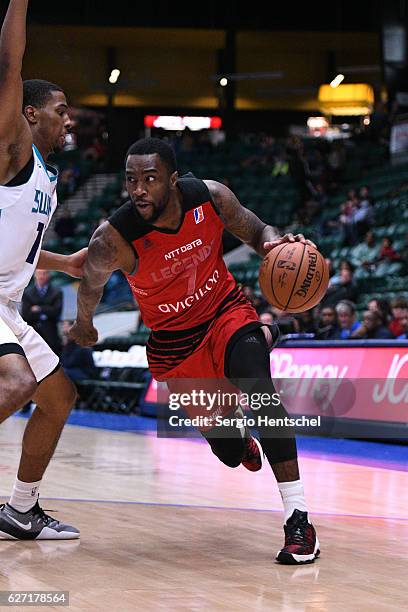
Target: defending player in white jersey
[(28, 367)]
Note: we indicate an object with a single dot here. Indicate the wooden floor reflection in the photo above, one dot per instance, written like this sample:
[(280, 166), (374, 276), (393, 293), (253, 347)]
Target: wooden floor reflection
[(164, 526)]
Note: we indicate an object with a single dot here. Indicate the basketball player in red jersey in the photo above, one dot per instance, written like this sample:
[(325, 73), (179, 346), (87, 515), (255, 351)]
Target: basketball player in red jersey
[(168, 242)]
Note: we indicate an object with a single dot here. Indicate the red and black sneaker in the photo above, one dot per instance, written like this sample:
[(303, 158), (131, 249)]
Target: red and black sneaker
[(301, 543), (253, 456)]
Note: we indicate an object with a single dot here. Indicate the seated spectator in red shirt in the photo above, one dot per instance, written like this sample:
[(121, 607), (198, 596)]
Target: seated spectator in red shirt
[(387, 251), (399, 307), (404, 325)]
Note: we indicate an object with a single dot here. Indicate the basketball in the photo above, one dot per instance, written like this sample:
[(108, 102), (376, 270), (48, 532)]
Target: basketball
[(294, 277)]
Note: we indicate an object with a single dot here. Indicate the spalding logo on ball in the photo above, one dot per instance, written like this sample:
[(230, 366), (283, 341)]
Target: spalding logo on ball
[(294, 277)]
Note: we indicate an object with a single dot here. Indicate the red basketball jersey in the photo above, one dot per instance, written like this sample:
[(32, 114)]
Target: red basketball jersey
[(181, 279)]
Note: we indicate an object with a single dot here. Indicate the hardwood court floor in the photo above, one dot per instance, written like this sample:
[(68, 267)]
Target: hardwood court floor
[(166, 527)]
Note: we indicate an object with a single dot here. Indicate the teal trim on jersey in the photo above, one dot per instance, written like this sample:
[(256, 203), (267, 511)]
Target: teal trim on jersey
[(52, 177)]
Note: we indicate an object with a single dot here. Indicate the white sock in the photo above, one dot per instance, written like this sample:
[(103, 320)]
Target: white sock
[(293, 497), (24, 495)]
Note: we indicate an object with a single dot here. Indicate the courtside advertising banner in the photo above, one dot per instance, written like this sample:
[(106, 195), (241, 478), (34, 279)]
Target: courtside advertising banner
[(357, 384)]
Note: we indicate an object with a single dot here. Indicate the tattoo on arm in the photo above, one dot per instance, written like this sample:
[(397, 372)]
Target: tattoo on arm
[(240, 221), (103, 259)]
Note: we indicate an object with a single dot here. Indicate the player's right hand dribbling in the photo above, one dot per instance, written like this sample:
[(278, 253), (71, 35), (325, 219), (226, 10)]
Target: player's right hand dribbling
[(83, 334)]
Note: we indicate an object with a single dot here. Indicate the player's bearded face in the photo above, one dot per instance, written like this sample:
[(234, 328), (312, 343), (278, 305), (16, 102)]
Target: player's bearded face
[(148, 184), (155, 208)]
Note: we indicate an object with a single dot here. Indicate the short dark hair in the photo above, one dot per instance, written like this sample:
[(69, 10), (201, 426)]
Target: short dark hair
[(37, 92), (150, 146)]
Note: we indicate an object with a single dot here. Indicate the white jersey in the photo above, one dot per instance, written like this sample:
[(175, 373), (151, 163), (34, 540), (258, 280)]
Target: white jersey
[(25, 213)]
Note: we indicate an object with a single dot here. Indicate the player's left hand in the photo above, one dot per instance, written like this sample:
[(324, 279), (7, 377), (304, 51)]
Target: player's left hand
[(84, 334), (76, 262), (268, 246)]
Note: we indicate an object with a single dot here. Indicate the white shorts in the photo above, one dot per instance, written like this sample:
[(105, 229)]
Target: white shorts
[(14, 330)]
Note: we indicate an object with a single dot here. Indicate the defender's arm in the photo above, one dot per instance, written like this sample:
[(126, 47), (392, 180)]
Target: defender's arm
[(14, 128), (69, 264)]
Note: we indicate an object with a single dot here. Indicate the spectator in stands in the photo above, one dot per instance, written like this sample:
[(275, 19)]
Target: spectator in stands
[(363, 217), (65, 225), (335, 279), (306, 322), (41, 308), (347, 210), (78, 362), (387, 251), (344, 289), (372, 328), (383, 308), (399, 307), (348, 324), (327, 326), (366, 254), (404, 325)]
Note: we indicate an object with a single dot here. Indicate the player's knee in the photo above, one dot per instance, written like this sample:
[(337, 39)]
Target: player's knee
[(59, 408), (18, 387), (69, 398)]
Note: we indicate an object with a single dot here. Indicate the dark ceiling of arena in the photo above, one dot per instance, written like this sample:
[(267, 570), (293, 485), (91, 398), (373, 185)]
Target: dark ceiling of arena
[(338, 15)]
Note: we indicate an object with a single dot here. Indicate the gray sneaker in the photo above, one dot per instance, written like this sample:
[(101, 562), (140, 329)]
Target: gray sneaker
[(33, 525)]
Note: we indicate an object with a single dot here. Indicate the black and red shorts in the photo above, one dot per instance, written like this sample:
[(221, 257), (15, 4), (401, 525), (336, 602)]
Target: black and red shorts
[(200, 352)]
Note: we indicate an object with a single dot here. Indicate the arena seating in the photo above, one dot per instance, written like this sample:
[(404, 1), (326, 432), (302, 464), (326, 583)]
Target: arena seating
[(275, 199)]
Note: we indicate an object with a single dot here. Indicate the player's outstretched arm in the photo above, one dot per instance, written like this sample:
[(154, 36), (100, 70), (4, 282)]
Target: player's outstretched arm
[(244, 224), (69, 264), (107, 252), (13, 126)]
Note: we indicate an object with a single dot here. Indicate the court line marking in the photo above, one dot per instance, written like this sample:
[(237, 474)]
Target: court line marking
[(205, 507)]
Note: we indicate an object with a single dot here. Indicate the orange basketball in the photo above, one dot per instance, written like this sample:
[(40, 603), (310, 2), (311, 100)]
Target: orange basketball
[(294, 277)]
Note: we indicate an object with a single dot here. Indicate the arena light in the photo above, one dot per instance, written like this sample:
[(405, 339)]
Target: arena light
[(223, 82), (317, 123), (337, 80), (114, 75), (349, 99), (179, 123)]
